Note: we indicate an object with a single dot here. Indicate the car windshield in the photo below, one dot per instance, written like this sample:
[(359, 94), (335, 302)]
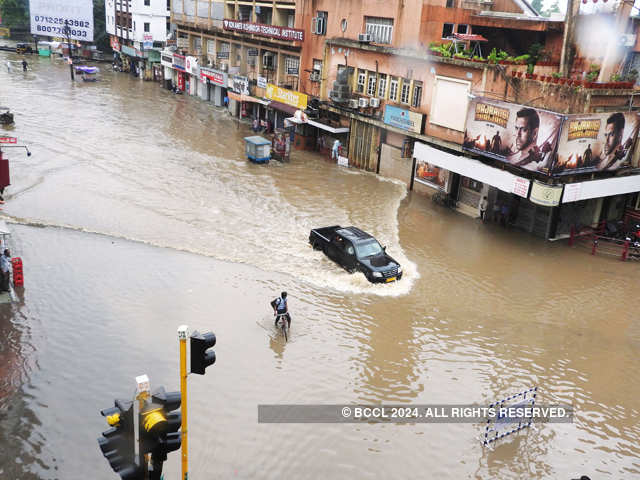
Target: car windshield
[(368, 249)]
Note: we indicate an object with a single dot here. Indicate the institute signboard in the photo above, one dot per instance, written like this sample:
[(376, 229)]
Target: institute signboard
[(273, 31), (213, 76), (404, 119)]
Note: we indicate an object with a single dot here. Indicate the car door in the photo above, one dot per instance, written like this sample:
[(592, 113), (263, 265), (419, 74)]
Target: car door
[(349, 256), (336, 247)]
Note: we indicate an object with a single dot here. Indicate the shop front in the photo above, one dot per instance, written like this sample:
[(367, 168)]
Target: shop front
[(192, 71), (166, 61), (216, 85), (179, 72), (284, 104)]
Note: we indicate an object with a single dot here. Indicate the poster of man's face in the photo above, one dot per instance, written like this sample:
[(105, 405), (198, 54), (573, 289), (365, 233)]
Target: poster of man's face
[(596, 142), (522, 136)]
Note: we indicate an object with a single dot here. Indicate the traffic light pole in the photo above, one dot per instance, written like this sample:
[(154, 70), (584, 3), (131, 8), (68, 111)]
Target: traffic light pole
[(183, 333)]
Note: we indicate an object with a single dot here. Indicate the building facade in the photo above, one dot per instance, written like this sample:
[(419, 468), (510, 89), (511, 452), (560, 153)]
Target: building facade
[(138, 31)]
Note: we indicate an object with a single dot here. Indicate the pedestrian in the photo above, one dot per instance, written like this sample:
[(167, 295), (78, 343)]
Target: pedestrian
[(5, 270), (24, 65), (9, 66), (496, 211), (504, 214), (335, 150), (483, 208), (256, 125), (226, 101)]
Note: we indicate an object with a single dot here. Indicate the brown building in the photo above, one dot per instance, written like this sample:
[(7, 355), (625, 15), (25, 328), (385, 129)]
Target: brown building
[(414, 79)]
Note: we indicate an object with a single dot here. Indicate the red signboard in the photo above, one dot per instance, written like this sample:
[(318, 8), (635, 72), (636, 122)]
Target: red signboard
[(8, 140), (273, 31), (115, 44), (214, 77), (181, 81)]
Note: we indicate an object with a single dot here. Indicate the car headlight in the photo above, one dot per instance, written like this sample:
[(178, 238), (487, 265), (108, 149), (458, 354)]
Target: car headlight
[(377, 274), (399, 269)]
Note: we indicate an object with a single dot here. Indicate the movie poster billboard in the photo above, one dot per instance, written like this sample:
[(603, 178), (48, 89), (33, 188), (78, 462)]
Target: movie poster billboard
[(522, 136), (596, 142), (431, 175)]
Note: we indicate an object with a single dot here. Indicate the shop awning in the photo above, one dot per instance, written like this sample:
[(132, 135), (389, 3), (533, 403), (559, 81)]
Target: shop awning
[(502, 180), (574, 192), (322, 126), (283, 107), (245, 98)]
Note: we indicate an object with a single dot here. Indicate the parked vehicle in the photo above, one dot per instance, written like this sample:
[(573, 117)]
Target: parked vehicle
[(356, 250), (6, 117), (23, 48)]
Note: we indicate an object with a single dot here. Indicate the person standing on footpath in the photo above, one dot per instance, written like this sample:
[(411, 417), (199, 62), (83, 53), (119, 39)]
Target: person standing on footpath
[(5, 269), (483, 208)]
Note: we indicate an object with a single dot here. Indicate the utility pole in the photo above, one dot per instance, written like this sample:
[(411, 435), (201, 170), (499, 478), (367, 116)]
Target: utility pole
[(67, 30), (183, 333)]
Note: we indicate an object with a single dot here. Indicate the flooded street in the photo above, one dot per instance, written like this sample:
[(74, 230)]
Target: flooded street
[(138, 212)]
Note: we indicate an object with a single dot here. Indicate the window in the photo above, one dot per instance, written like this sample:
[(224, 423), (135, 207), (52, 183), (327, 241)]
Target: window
[(462, 28), (245, 13), (380, 29), (317, 65), (393, 89), (362, 78), (447, 30), (211, 47), (319, 23), (450, 102), (371, 84), (291, 65), (168, 4), (382, 85), (451, 4), (263, 15), (417, 94), (147, 26), (134, 26), (404, 92), (147, 3), (291, 20)]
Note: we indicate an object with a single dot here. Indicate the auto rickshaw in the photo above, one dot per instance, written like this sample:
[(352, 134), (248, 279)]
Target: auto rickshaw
[(23, 48)]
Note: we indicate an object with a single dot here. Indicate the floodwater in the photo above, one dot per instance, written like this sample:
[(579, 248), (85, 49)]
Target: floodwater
[(137, 213)]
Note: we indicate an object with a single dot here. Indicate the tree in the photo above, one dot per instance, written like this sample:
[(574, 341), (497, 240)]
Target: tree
[(553, 9), (14, 13), (100, 36), (537, 5)]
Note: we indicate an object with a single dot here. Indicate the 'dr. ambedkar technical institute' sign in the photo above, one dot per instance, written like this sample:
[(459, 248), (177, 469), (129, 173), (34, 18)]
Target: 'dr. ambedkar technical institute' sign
[(273, 31)]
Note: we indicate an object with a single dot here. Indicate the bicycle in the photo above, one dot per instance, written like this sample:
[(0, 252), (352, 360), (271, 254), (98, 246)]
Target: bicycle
[(281, 321)]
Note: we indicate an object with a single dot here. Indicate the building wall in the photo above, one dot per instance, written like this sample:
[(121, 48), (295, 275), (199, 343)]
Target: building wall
[(157, 27)]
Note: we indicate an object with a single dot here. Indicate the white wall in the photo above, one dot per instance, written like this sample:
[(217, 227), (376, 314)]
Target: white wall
[(157, 27), (110, 16), (156, 7)]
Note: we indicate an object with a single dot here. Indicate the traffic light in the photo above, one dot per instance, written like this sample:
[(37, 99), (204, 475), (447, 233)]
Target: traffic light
[(159, 427), (200, 357), (117, 443)]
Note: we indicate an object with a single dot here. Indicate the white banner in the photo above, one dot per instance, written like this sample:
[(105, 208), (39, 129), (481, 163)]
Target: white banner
[(49, 17)]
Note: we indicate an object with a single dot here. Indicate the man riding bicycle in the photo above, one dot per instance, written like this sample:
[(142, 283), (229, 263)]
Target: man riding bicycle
[(279, 306)]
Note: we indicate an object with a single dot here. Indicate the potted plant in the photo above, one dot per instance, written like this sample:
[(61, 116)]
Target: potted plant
[(562, 80), (555, 77), (519, 74)]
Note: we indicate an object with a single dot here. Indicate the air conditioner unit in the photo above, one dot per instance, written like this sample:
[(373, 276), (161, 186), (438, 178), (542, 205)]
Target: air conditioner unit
[(627, 40), (363, 102), (353, 103), (314, 77), (364, 37), (374, 102)]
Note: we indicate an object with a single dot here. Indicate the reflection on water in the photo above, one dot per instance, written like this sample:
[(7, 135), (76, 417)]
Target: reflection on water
[(137, 213)]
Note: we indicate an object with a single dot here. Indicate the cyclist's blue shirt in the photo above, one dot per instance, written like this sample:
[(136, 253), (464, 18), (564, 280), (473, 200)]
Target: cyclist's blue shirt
[(281, 305)]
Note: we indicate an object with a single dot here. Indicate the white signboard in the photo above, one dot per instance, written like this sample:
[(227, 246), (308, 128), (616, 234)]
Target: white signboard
[(521, 187), (262, 82), (571, 192), (49, 18)]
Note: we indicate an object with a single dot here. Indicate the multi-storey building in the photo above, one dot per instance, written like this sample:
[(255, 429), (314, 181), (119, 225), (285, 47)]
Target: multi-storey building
[(138, 30), (437, 93), (243, 50)]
